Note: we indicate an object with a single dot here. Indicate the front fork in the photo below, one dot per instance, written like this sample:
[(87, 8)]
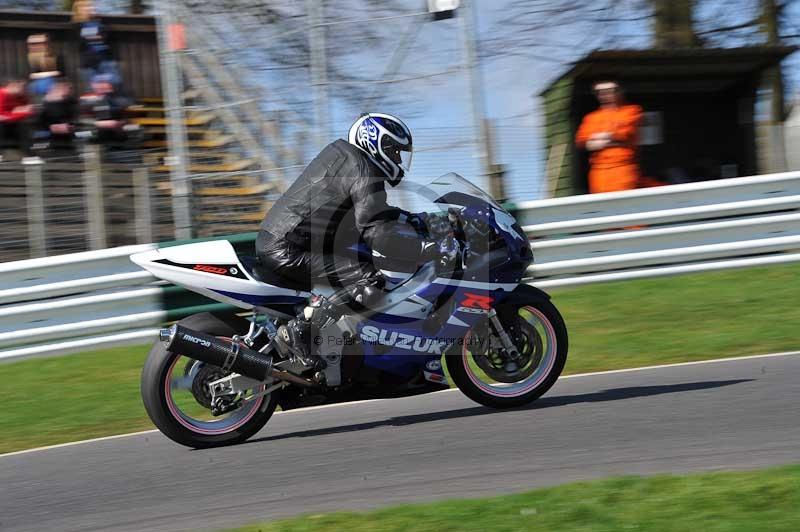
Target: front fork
[(505, 340)]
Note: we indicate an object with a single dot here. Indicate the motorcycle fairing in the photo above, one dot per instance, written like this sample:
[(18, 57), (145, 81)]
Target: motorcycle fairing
[(214, 270), (393, 344)]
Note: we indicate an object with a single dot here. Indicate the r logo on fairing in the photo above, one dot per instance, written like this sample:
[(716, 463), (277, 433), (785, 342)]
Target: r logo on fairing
[(409, 342), (476, 304), (477, 301)]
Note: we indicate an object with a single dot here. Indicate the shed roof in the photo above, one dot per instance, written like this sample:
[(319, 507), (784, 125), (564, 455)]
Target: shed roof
[(675, 63)]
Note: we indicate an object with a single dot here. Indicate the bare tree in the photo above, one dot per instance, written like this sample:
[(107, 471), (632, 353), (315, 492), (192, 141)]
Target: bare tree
[(272, 37), (535, 27), (137, 7), (673, 23), (558, 30)]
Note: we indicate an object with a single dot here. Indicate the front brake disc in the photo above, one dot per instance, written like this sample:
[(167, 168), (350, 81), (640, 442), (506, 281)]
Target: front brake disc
[(529, 343)]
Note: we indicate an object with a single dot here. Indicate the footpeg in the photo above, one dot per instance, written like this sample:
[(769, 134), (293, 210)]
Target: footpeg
[(291, 342), (283, 342)]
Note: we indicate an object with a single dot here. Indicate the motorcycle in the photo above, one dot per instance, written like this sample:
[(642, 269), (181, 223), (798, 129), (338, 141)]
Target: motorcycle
[(215, 379)]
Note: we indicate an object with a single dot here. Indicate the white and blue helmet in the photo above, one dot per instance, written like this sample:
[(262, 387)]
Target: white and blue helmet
[(387, 142)]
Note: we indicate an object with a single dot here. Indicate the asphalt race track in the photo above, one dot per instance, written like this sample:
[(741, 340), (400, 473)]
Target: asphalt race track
[(722, 415)]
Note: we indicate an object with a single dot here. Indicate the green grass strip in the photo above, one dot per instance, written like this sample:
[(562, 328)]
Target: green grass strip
[(74, 397), (764, 501), (682, 319)]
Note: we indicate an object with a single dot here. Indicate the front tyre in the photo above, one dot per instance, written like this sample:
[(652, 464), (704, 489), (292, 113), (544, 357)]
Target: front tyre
[(177, 401), (483, 371)]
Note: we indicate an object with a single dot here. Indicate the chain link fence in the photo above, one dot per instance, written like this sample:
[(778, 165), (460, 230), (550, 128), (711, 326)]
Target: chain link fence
[(47, 209), (267, 83)]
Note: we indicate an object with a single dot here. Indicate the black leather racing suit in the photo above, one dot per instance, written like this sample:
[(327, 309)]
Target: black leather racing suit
[(338, 201)]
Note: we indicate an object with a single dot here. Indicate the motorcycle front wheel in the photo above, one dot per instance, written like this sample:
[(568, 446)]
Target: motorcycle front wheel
[(485, 372), (176, 397)]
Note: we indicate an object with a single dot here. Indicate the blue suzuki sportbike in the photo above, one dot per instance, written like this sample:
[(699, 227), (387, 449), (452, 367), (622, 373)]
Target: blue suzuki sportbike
[(215, 378)]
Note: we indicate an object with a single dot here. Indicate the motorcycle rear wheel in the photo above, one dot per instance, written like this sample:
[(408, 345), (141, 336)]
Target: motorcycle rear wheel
[(538, 332), (186, 419)]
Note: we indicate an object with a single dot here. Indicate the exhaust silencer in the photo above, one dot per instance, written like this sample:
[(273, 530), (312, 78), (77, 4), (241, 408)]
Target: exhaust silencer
[(235, 357)]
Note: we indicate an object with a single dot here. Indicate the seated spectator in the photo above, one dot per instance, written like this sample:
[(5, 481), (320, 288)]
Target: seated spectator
[(105, 108), (45, 66), (96, 56), (55, 126), (15, 114)]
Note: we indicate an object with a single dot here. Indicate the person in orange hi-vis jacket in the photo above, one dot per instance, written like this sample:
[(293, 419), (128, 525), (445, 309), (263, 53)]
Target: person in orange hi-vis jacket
[(610, 134)]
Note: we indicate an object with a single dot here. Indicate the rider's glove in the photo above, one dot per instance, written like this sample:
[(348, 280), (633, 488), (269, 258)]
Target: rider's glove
[(430, 251), (418, 221), (449, 249), (444, 253)]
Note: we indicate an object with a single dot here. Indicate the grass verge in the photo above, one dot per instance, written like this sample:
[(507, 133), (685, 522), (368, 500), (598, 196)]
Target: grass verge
[(682, 319), (70, 398), (765, 500), (612, 326)]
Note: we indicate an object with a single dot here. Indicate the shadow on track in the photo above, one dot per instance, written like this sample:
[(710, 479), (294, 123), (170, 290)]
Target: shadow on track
[(615, 394)]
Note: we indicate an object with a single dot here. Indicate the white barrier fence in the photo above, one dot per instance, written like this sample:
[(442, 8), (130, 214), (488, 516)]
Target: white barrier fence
[(76, 302), (88, 300), (664, 231)]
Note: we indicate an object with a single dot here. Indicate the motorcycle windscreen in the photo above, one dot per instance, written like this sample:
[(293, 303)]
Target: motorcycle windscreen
[(455, 190), (434, 195)]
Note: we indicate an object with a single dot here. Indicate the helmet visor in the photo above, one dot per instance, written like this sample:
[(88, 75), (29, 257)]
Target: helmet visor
[(399, 154), (405, 160)]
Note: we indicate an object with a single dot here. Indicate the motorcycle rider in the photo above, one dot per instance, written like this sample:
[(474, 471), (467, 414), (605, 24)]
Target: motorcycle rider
[(338, 201)]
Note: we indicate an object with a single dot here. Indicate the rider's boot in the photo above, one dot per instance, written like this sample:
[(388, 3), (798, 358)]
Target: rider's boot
[(299, 336)]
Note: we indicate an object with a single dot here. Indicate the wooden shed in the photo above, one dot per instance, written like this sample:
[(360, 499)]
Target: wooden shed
[(133, 40), (700, 111)]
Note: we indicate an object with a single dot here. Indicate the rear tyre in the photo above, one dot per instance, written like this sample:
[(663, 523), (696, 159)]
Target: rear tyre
[(187, 420), (482, 372)]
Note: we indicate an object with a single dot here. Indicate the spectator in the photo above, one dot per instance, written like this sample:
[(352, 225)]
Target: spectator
[(45, 66), (610, 134), (95, 52), (55, 125), (106, 108), (15, 112)]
